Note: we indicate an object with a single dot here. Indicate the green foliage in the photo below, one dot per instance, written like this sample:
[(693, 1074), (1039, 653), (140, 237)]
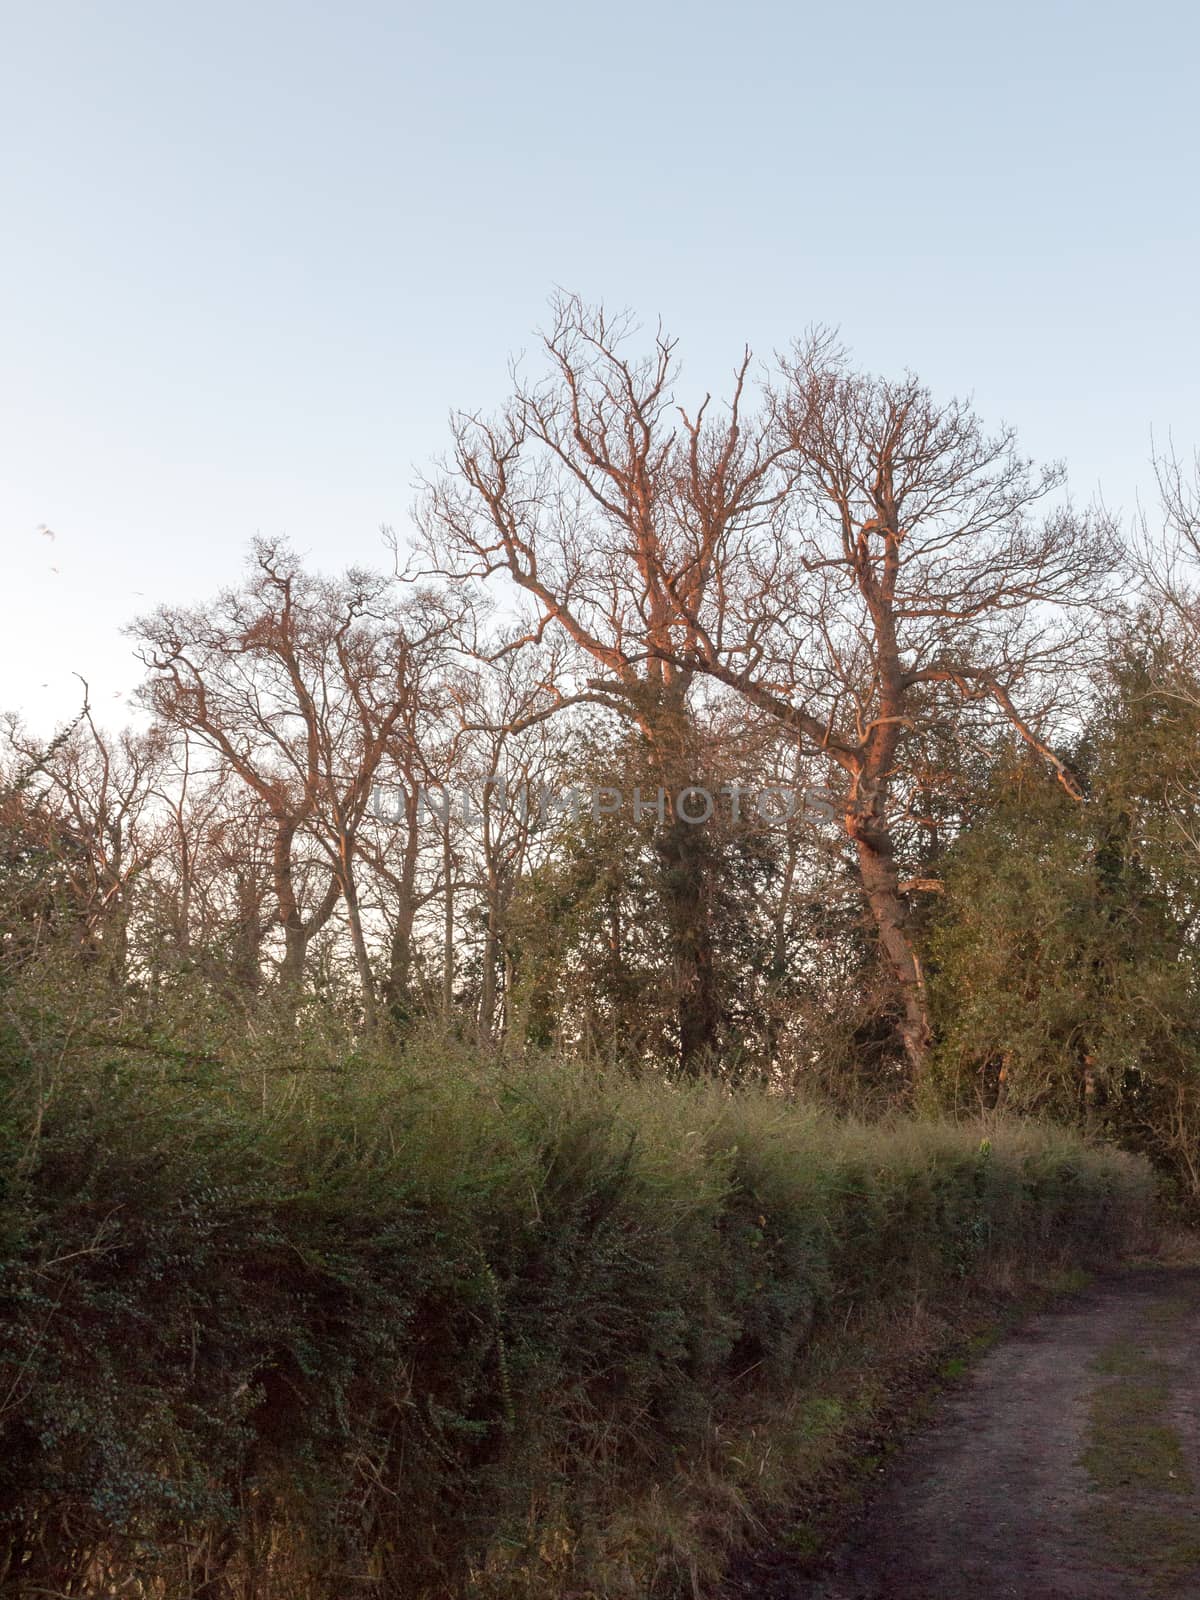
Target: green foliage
[(618, 920), (372, 1335), (1065, 970)]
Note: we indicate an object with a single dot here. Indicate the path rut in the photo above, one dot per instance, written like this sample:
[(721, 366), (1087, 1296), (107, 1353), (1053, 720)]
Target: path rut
[(1065, 1466)]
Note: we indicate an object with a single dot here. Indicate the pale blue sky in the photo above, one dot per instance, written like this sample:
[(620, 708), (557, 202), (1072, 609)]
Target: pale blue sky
[(252, 254)]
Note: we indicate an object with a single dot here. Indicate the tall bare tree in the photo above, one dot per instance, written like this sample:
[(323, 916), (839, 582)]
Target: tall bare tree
[(607, 509), (93, 800), (912, 576), (301, 685)]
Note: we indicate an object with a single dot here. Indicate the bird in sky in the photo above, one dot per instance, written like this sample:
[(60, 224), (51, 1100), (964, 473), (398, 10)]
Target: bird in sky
[(46, 533)]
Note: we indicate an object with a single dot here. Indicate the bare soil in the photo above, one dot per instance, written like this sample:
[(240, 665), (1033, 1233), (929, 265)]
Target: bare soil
[(1064, 1465)]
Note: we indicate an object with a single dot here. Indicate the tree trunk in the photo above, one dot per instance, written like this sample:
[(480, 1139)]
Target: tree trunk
[(669, 729), (399, 968), (881, 884), (686, 881), (487, 982), (247, 934), (295, 940), (291, 969), (448, 925), (398, 982), (362, 959), (866, 819), (297, 932)]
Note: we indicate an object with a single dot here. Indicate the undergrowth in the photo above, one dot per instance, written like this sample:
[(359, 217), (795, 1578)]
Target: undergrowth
[(448, 1328)]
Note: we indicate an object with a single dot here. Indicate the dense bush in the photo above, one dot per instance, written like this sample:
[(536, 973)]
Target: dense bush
[(381, 1338), (1064, 966)]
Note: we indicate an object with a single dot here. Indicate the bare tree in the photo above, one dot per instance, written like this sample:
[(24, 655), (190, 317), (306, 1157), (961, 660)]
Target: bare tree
[(300, 685), (93, 792), (608, 509), (211, 890), (908, 579), (421, 763), (510, 759), (1168, 557)]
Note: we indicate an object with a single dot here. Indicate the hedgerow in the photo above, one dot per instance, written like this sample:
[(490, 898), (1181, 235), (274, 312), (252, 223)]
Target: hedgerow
[(428, 1331)]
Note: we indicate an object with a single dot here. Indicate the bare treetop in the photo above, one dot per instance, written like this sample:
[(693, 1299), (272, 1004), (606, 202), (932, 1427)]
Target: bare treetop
[(860, 561)]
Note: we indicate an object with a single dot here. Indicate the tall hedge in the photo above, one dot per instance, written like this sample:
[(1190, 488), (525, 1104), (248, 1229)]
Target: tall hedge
[(355, 1343)]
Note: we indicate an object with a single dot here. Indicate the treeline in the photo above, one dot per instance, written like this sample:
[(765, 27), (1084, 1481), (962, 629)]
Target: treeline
[(698, 618)]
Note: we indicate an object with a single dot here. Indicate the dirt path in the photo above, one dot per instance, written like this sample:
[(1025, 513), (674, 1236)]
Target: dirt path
[(1066, 1466)]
